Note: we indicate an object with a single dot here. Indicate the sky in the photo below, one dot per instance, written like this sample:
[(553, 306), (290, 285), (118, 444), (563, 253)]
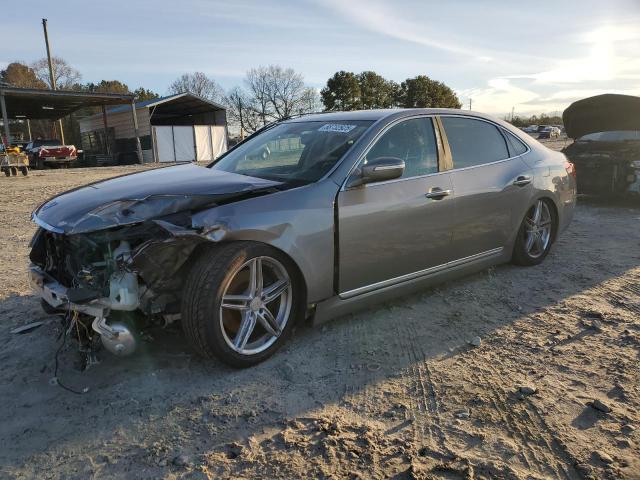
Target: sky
[(532, 57)]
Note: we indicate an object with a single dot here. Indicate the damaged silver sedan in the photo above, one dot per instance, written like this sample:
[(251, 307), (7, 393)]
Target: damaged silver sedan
[(309, 218)]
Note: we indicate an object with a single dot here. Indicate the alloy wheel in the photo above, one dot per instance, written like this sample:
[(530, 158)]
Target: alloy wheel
[(256, 305), (538, 229)]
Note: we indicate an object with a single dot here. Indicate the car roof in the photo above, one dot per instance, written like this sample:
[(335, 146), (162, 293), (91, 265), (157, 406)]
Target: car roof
[(378, 114)]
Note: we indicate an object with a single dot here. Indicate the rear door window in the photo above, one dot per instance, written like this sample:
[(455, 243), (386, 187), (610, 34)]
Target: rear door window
[(474, 142)]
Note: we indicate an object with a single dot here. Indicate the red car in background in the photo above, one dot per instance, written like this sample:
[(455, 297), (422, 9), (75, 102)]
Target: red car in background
[(50, 153)]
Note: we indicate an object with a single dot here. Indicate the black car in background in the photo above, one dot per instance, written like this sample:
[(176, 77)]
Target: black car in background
[(606, 150)]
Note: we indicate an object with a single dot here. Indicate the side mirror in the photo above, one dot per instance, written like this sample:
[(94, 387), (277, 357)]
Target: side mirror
[(377, 170)]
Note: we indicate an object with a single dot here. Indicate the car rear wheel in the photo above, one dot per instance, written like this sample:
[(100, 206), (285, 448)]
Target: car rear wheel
[(535, 235), (240, 303)]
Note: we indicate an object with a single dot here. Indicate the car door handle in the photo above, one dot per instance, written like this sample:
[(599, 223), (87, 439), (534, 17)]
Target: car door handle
[(522, 180), (437, 193)]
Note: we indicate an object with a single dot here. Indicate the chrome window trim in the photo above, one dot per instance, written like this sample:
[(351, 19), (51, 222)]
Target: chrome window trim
[(419, 274), (502, 131), (375, 139)]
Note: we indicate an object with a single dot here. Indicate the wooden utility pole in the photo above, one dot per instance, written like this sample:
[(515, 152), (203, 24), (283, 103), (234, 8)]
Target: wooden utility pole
[(52, 76), (5, 121), (469, 104), (137, 132)]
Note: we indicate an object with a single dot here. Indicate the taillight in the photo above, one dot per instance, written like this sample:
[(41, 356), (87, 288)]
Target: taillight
[(570, 168)]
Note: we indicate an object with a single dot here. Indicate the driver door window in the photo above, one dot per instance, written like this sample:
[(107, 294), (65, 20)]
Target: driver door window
[(414, 142)]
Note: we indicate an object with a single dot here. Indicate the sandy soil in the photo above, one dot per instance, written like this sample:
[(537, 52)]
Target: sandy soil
[(397, 391)]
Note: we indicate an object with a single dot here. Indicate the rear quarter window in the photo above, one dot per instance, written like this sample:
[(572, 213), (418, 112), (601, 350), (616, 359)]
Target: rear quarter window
[(516, 146), (474, 142)]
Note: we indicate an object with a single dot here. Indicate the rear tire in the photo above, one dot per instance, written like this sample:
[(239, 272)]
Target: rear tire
[(536, 234), (253, 321), (14, 171), (24, 170), (7, 172)]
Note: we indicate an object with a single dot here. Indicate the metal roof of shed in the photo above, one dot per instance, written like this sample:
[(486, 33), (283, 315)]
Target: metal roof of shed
[(183, 101), (54, 104)]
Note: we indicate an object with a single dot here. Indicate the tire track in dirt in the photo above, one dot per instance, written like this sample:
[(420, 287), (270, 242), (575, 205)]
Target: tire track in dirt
[(541, 450), (631, 287), (428, 420), (413, 413)]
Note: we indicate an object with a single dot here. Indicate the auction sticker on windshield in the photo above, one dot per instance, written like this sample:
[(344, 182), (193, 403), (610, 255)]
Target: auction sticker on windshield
[(336, 127)]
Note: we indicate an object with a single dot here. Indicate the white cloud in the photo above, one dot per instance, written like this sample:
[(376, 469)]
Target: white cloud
[(498, 98), (384, 19), (603, 69)]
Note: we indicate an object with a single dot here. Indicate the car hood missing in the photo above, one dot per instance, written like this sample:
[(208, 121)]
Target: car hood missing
[(143, 196), (602, 113)]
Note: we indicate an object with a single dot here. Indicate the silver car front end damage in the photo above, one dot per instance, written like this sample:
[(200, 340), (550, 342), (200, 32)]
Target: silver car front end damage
[(116, 337)]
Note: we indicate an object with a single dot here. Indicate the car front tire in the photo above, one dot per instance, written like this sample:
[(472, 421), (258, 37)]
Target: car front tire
[(240, 302), (536, 234)]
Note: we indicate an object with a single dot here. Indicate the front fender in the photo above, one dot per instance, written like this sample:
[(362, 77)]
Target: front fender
[(299, 222)]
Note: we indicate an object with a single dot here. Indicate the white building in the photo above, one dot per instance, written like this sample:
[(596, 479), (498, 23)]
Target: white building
[(177, 128)]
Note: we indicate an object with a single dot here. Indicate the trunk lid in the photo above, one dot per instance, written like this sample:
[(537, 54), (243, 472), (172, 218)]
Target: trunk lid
[(602, 113)]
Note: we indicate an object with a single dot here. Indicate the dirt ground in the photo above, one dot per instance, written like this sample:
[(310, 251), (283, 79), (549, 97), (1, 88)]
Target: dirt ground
[(395, 392)]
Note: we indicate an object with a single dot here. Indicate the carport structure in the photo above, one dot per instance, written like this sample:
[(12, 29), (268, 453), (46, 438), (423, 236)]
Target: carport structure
[(34, 104), (177, 128)]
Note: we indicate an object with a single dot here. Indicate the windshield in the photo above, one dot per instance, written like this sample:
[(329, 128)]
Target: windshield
[(296, 152), (613, 136)]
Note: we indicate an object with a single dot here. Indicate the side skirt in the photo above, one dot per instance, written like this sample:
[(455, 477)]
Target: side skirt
[(365, 297)]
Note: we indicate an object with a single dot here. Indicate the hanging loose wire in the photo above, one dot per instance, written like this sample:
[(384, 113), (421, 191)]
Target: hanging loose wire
[(65, 332)]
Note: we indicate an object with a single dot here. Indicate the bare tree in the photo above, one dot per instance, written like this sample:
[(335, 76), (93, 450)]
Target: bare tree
[(272, 93), (311, 101), (286, 90), (257, 82), (242, 110), (198, 84), (66, 76), (279, 92)]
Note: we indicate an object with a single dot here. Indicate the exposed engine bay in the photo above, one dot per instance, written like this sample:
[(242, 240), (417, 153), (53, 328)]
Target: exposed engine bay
[(606, 167), (606, 151), (125, 269), (125, 261)]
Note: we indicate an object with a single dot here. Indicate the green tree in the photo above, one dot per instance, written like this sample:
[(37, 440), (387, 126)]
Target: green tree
[(376, 91), (342, 92), (108, 86), (423, 92), (143, 94), (543, 119), (18, 74)]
